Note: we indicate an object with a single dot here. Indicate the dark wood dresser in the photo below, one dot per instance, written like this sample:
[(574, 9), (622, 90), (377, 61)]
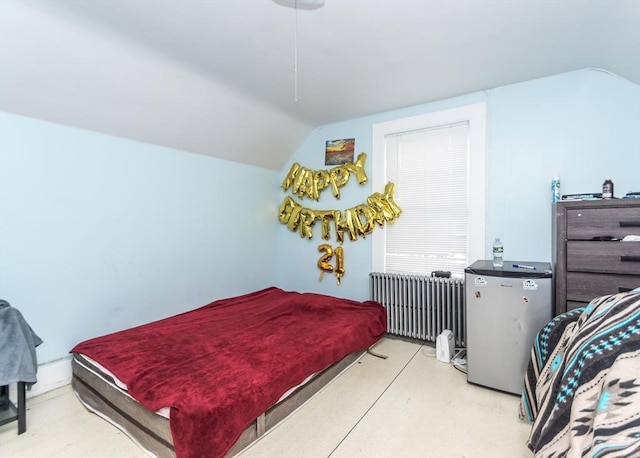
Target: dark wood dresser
[(586, 264)]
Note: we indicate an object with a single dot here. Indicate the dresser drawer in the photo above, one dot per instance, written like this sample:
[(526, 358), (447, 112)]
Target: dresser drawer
[(587, 223), (604, 257), (584, 287)]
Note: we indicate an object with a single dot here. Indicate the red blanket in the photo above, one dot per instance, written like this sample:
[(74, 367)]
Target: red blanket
[(220, 366)]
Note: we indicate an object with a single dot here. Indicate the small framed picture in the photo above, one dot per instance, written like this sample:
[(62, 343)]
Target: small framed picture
[(338, 152)]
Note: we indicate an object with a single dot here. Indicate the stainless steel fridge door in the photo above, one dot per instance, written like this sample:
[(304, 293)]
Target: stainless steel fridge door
[(503, 318)]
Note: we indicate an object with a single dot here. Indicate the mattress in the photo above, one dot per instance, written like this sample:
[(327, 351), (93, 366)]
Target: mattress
[(220, 367), (101, 393)]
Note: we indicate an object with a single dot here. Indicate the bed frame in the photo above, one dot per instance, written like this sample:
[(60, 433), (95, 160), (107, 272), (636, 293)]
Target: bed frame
[(99, 394)]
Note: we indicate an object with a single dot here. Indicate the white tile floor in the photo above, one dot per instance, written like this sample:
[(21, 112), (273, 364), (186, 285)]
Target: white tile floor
[(409, 405)]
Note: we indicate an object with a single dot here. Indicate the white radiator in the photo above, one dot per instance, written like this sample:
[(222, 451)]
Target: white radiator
[(421, 307)]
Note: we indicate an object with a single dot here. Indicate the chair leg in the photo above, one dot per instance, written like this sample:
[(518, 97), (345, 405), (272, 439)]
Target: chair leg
[(22, 408), (4, 396)]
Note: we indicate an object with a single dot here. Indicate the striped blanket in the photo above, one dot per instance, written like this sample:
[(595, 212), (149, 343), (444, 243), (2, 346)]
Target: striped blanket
[(582, 387)]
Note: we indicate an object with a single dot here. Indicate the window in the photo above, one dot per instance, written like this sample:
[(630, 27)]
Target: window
[(437, 162)]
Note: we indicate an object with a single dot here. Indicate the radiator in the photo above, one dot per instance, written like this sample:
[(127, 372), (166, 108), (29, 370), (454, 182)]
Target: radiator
[(421, 307)]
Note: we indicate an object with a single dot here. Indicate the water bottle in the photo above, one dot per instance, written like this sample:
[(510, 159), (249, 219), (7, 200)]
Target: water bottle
[(498, 249), (607, 189), (555, 190)]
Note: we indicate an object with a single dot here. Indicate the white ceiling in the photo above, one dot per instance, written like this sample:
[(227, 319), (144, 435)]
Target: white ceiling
[(217, 77)]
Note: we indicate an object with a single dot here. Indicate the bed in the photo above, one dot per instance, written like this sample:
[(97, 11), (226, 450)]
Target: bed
[(210, 381), (582, 386)]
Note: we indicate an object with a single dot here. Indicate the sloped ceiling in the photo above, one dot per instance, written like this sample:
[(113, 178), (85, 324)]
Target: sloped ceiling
[(219, 77)]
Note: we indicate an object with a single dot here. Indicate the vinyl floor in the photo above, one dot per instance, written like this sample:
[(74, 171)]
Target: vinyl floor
[(408, 405)]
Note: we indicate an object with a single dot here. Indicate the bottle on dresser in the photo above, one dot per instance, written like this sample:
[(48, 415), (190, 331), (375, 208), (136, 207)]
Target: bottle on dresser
[(607, 189)]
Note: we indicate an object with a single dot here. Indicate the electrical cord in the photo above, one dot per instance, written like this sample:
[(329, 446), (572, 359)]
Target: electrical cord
[(458, 361), (430, 355)]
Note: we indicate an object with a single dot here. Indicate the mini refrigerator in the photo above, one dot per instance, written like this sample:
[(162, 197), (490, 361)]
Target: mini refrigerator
[(506, 307)]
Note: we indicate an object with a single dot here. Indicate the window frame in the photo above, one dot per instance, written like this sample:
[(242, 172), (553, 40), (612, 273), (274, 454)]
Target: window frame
[(475, 115)]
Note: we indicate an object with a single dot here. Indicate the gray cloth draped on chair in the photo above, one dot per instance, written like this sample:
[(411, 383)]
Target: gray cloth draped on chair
[(18, 342)]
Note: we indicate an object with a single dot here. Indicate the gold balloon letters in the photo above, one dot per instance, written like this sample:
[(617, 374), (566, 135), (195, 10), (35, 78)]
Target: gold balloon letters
[(357, 221), (305, 182), (361, 220), (323, 262)]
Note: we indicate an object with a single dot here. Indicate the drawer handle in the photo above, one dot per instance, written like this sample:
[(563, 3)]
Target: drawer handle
[(630, 223), (630, 258)]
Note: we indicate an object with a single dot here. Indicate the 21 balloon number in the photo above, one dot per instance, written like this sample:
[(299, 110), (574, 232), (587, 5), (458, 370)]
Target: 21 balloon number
[(325, 260)]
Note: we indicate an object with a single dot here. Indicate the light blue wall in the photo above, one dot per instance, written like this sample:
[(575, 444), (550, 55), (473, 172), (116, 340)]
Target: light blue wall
[(583, 126), (98, 233), (298, 263)]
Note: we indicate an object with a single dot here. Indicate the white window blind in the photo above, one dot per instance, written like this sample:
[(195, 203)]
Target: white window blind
[(430, 169)]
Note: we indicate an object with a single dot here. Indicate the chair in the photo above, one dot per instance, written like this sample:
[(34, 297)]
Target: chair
[(18, 363)]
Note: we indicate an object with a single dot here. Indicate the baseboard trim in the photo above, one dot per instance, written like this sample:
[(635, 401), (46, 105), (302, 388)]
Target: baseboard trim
[(50, 376)]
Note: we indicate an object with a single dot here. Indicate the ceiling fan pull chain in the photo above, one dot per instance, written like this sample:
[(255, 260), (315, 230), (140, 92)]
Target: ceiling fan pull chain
[(295, 57)]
